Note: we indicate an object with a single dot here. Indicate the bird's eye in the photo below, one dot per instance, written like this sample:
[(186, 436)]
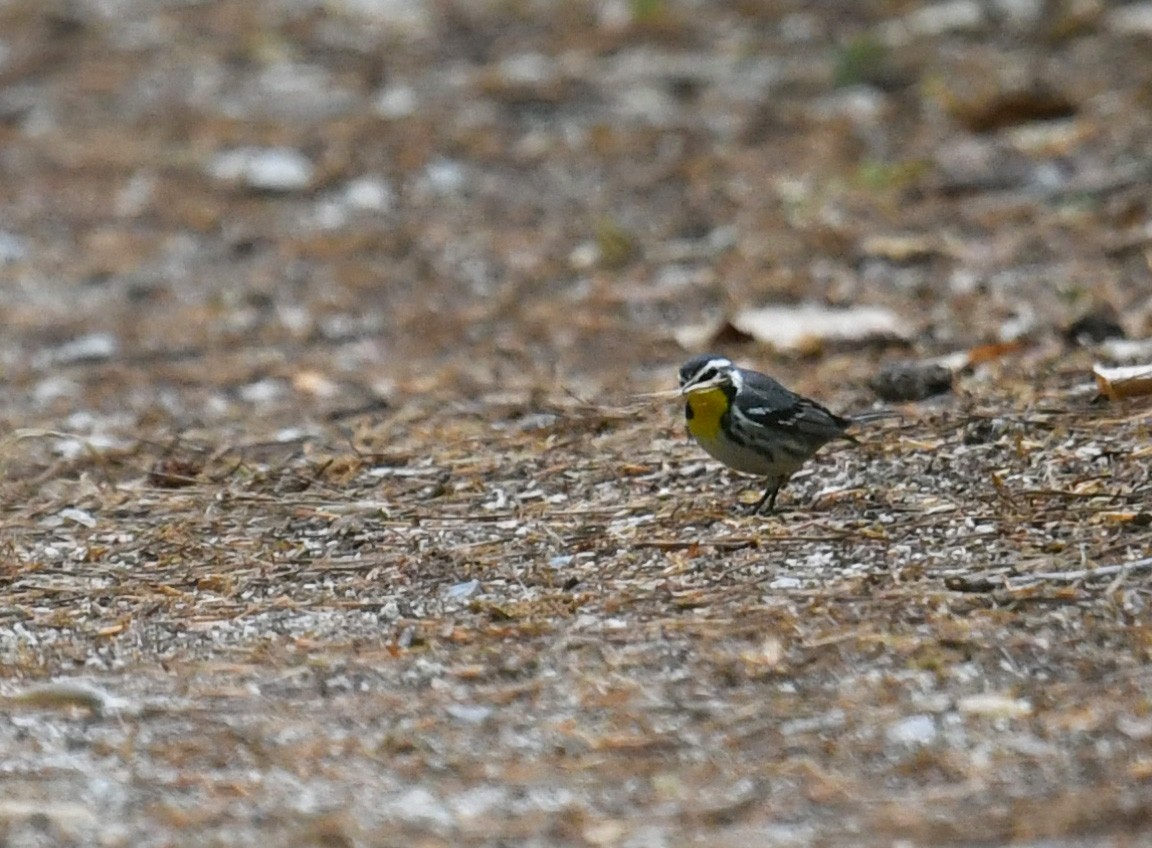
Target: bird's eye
[(706, 373)]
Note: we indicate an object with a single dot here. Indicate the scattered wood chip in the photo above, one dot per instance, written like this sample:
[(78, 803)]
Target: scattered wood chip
[(809, 328), (805, 329), (65, 694), (315, 383), (978, 583), (994, 705), (985, 111), (174, 472), (991, 352), (768, 656), (1140, 770), (901, 248), (1133, 519), (1126, 381)]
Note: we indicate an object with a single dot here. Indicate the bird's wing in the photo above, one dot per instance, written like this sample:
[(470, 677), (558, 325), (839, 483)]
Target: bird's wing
[(776, 406)]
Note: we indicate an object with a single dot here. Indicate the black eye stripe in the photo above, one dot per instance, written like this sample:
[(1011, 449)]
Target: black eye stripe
[(706, 371)]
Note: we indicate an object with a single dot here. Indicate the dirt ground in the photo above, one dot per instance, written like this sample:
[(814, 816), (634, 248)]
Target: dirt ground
[(331, 512)]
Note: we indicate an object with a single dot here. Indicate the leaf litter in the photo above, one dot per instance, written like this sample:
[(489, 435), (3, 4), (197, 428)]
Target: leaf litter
[(329, 523)]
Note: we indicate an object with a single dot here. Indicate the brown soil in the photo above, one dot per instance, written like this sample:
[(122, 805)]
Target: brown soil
[(332, 514)]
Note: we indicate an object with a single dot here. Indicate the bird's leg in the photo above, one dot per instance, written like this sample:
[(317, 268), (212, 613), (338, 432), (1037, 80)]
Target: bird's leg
[(769, 497)]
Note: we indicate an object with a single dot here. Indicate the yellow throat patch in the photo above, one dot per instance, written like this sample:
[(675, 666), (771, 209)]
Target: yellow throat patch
[(705, 409)]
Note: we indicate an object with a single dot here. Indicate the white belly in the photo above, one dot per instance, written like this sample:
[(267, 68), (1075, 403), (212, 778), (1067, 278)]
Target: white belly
[(740, 458)]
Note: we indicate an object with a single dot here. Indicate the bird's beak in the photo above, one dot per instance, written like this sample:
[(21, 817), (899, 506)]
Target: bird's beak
[(683, 391), (700, 386)]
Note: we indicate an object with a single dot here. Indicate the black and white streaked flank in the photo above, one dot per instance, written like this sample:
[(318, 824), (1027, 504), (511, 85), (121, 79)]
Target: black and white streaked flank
[(753, 424)]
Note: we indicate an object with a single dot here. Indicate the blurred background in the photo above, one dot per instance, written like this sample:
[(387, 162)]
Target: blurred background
[(293, 206)]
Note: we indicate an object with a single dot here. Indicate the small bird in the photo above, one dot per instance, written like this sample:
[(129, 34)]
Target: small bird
[(754, 425)]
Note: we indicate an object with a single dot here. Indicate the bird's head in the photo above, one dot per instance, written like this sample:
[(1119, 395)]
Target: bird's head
[(708, 371)]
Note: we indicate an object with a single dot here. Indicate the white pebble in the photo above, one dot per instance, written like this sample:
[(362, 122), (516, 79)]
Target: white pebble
[(264, 168), (913, 730)]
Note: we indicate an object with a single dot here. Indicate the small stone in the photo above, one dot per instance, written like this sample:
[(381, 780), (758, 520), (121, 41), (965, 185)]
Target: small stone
[(263, 391), (527, 69), (133, 198), (584, 256), (12, 248), (278, 169), (914, 730), (1094, 327), (368, 194), (479, 801), (1138, 728), (1130, 19), (53, 388), (419, 806), (410, 18), (905, 381), (445, 177), (396, 101), (78, 516), (1020, 13), (95, 347), (462, 591), (537, 421), (468, 713), (1127, 351), (940, 18)]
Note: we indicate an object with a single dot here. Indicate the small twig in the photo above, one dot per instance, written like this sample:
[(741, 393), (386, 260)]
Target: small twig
[(684, 544), (990, 581), (1056, 493), (1091, 573)]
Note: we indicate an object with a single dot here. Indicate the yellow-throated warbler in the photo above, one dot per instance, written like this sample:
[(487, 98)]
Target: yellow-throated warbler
[(754, 425)]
